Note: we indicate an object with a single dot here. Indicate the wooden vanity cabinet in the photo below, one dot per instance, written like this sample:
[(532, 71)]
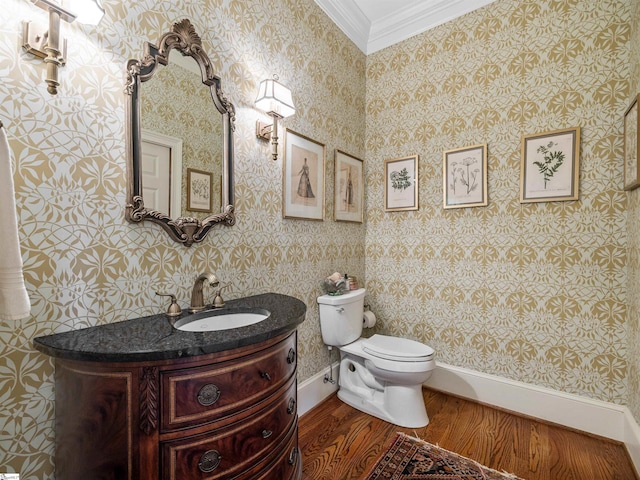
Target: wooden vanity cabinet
[(228, 415)]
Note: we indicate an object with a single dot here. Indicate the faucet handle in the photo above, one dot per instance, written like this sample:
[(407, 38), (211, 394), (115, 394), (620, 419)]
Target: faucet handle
[(218, 302), (174, 309)]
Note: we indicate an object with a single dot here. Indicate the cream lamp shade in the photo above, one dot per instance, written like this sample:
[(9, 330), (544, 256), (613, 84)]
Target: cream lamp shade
[(275, 99)]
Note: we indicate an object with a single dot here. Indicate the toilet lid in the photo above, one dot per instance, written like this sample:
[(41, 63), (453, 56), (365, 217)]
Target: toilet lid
[(394, 348)]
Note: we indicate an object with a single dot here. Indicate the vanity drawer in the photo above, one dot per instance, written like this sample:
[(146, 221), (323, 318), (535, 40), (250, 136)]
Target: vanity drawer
[(288, 466), (197, 396), (234, 449)]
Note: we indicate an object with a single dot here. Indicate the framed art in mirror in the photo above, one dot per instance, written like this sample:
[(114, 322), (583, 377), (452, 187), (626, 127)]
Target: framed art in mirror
[(631, 142), (550, 166), (199, 191), (349, 188), (303, 177), (154, 64), (401, 184), (464, 177)]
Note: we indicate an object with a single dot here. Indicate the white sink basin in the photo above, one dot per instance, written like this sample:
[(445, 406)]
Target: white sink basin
[(212, 321)]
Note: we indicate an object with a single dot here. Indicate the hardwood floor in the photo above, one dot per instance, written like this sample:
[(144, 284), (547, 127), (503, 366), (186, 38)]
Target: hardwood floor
[(341, 443)]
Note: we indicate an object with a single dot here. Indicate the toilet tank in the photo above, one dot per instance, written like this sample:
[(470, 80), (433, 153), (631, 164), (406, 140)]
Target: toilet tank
[(341, 317)]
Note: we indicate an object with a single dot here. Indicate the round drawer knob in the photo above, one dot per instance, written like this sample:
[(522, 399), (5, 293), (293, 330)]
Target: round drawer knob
[(266, 376), (266, 433), (208, 395), (291, 357), (292, 406), (209, 461)]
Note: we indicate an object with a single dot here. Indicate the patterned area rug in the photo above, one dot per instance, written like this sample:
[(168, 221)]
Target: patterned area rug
[(411, 459)]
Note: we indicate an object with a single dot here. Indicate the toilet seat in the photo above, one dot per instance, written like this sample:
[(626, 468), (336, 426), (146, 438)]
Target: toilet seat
[(397, 349), (407, 365)]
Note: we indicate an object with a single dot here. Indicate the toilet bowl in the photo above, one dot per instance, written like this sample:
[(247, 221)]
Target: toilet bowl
[(380, 375)]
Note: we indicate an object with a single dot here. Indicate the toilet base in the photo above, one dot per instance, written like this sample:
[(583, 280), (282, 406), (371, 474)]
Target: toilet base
[(411, 414), (402, 405)]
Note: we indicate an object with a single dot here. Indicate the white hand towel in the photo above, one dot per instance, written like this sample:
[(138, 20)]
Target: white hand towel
[(14, 300)]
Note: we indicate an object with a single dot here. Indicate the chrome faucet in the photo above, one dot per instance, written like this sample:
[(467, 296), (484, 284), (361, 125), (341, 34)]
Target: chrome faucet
[(197, 299)]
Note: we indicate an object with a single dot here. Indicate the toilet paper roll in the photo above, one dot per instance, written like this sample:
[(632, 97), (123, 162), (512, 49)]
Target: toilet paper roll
[(368, 319)]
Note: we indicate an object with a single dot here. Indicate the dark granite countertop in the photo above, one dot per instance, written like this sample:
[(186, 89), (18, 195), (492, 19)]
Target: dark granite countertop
[(154, 337)]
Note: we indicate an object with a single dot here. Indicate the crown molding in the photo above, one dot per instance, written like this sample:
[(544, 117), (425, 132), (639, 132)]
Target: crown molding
[(371, 35)]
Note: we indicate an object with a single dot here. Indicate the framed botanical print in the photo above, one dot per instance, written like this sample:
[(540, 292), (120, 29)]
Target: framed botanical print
[(631, 137), (348, 188), (550, 166), (303, 178), (464, 177), (199, 197), (401, 184)]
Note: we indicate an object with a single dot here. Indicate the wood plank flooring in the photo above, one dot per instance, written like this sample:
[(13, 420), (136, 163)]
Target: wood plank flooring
[(341, 443)]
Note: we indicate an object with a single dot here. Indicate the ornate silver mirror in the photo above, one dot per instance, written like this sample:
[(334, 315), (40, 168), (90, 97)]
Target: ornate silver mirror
[(179, 139)]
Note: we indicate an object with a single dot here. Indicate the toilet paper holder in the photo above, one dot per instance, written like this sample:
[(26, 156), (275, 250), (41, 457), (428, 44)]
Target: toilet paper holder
[(368, 319)]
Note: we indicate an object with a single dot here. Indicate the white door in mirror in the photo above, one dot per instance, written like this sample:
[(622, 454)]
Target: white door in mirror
[(156, 176)]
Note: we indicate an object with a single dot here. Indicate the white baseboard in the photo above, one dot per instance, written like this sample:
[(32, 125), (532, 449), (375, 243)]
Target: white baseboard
[(581, 413), (314, 390), (593, 416), (632, 438)]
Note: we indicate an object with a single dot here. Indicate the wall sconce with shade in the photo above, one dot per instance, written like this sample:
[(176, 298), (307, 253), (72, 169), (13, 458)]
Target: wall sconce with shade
[(275, 99), (47, 44)]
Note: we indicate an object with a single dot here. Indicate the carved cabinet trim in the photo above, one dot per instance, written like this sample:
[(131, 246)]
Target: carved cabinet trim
[(149, 400)]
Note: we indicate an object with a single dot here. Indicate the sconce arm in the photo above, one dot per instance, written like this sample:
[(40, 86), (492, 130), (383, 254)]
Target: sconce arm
[(49, 49), (266, 131)]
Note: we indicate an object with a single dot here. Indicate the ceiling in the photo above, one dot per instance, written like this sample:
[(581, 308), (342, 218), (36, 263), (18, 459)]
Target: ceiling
[(375, 24)]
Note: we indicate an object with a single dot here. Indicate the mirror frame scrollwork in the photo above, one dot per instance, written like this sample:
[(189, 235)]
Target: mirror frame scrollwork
[(185, 230)]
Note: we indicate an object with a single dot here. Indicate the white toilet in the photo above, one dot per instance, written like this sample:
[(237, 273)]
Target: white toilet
[(381, 375)]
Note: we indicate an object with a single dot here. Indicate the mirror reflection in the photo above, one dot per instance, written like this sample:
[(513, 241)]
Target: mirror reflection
[(180, 137)]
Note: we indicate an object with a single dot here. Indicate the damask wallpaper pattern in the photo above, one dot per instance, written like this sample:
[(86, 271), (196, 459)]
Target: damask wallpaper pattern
[(84, 264), (530, 292), (633, 232)]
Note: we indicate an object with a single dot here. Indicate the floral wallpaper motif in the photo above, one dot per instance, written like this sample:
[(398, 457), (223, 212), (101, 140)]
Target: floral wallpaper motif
[(84, 264), (633, 229), (531, 292)]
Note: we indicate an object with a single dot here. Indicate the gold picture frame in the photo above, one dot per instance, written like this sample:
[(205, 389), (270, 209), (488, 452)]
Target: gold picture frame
[(401, 184), (348, 197), (303, 177), (631, 143), (550, 166), (464, 177)]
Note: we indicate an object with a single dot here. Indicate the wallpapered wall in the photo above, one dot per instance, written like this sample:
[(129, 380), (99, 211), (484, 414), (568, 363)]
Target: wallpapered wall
[(633, 232), (530, 292), (84, 264)]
